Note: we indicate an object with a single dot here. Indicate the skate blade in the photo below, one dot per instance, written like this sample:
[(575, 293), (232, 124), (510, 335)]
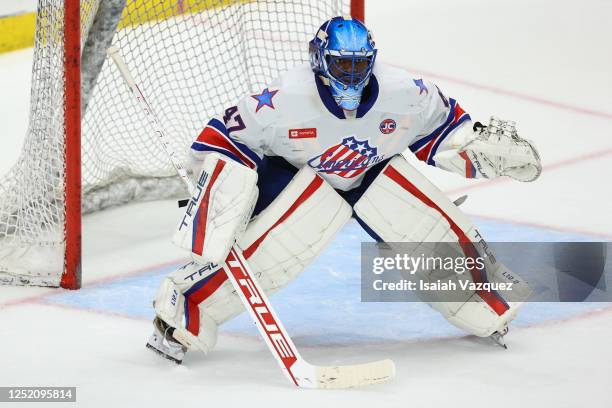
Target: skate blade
[(498, 338), (164, 355)]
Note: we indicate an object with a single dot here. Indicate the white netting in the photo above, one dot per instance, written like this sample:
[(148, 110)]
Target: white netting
[(192, 59), (31, 194)]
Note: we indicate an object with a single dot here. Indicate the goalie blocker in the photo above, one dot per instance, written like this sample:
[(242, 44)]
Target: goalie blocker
[(218, 211)]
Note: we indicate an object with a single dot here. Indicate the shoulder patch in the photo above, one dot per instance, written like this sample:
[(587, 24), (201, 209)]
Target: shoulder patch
[(264, 99)]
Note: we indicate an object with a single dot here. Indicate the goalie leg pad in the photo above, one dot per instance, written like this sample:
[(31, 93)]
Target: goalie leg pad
[(177, 304), (278, 244), (219, 210), (290, 233), (401, 205)]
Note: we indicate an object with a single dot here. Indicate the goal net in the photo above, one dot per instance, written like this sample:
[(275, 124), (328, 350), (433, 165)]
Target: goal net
[(193, 59)]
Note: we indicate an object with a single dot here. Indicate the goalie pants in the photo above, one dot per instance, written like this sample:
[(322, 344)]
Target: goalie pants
[(275, 173)]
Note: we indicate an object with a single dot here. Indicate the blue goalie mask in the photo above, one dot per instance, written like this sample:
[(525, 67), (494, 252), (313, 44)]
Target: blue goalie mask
[(343, 52)]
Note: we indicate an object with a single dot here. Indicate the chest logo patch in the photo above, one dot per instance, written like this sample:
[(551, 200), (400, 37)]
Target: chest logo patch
[(347, 159), (387, 126), (309, 133)]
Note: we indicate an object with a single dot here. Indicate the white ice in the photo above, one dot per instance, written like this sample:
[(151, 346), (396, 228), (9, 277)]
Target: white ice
[(542, 63)]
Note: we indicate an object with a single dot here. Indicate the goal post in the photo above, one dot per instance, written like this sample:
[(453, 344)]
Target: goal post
[(88, 147), (358, 10), (71, 276)]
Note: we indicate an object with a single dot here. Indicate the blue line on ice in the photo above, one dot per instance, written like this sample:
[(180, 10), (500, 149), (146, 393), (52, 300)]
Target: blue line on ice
[(323, 305)]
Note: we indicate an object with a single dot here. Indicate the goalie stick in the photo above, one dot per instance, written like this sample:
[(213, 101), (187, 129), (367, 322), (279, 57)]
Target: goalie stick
[(298, 370)]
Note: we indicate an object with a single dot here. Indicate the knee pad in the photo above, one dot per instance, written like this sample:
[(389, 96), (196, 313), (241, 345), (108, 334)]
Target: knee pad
[(278, 244)]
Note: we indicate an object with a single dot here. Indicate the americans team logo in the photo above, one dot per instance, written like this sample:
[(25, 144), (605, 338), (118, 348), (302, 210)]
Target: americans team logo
[(347, 159), (388, 126)]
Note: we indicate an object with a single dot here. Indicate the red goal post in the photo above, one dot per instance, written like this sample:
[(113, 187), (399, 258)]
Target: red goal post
[(358, 10), (71, 277)]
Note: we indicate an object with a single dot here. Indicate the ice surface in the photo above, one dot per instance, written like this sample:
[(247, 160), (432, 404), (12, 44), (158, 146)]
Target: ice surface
[(539, 63)]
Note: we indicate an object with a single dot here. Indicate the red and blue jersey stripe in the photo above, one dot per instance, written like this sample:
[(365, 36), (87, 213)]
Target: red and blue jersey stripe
[(216, 138), (426, 148)]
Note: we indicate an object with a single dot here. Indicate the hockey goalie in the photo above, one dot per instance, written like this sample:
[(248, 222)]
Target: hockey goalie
[(280, 173)]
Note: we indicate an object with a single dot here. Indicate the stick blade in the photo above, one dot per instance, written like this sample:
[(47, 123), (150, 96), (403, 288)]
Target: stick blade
[(352, 376)]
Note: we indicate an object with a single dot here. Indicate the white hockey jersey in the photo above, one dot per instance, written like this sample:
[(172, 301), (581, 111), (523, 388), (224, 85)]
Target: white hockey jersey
[(296, 118)]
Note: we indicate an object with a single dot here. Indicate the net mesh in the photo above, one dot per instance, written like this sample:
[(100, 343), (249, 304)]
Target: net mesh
[(191, 58)]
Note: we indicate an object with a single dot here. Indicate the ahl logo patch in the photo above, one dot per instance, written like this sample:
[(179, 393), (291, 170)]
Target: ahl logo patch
[(347, 159), (309, 133), (387, 126)]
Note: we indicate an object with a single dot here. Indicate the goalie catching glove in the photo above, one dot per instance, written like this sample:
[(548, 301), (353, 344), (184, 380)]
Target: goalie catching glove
[(494, 150)]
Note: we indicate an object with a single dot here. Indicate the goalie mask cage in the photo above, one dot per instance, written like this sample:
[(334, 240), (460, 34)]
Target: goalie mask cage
[(88, 145)]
